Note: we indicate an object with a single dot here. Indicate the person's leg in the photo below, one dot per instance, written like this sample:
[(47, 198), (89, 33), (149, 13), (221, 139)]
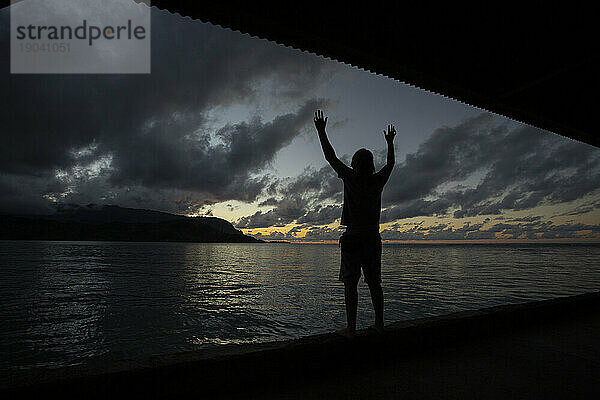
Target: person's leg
[(372, 272), (350, 275), (351, 299), (377, 299)]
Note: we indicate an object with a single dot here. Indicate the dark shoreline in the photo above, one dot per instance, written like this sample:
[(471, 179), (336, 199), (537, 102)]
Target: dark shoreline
[(237, 369), (121, 225)]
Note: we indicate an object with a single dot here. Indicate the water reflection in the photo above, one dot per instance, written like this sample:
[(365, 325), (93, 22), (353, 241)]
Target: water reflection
[(53, 305)]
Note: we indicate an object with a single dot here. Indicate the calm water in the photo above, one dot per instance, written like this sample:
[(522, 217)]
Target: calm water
[(66, 303)]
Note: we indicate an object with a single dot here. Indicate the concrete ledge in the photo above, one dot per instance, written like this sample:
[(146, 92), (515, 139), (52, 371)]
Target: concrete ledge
[(241, 369)]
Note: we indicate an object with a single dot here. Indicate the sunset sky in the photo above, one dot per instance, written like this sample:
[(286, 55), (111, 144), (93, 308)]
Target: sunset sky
[(223, 127)]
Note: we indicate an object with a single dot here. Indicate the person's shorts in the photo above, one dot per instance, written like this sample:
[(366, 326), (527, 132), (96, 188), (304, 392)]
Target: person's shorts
[(361, 251)]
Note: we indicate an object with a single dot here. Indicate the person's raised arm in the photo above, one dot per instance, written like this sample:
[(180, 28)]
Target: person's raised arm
[(328, 150), (391, 157)]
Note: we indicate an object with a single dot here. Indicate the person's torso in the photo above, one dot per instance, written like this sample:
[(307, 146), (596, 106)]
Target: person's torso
[(362, 201)]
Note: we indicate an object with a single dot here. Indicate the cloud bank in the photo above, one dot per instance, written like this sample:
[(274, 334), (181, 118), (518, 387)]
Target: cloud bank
[(478, 167), (147, 140)]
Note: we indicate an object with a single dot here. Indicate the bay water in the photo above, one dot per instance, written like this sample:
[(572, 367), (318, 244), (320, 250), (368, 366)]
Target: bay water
[(69, 303)]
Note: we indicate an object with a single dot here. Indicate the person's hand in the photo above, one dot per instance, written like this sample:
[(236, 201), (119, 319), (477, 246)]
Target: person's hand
[(320, 122), (390, 134)]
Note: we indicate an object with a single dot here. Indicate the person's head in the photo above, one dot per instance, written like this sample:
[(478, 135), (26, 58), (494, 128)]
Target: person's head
[(362, 162)]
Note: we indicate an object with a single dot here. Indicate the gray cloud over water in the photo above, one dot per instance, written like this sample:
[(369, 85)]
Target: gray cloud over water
[(144, 140), (478, 167)]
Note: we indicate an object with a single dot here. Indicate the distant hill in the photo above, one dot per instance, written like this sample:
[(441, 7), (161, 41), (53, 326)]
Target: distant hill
[(106, 222)]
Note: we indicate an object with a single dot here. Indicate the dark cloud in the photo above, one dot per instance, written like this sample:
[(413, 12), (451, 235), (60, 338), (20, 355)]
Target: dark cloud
[(581, 209), (546, 230), (300, 200), (321, 184), (263, 220), (321, 215), (524, 219), (287, 211), (522, 168), (323, 233), (16, 190), (152, 129), (449, 154), (478, 167), (437, 232), (291, 234), (224, 170), (527, 230), (275, 235), (415, 208)]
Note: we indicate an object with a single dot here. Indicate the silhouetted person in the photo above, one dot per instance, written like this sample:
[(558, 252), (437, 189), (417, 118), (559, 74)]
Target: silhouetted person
[(361, 242)]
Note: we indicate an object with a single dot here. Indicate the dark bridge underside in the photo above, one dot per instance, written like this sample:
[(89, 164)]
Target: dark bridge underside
[(534, 66)]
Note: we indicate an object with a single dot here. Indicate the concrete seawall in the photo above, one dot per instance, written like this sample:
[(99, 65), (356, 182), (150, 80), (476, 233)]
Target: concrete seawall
[(269, 369)]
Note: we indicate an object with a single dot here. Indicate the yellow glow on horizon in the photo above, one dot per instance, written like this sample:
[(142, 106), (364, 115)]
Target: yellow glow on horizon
[(558, 214)]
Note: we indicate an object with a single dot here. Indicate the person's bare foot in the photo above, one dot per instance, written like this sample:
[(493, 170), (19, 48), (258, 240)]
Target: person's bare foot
[(377, 328), (345, 333)]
